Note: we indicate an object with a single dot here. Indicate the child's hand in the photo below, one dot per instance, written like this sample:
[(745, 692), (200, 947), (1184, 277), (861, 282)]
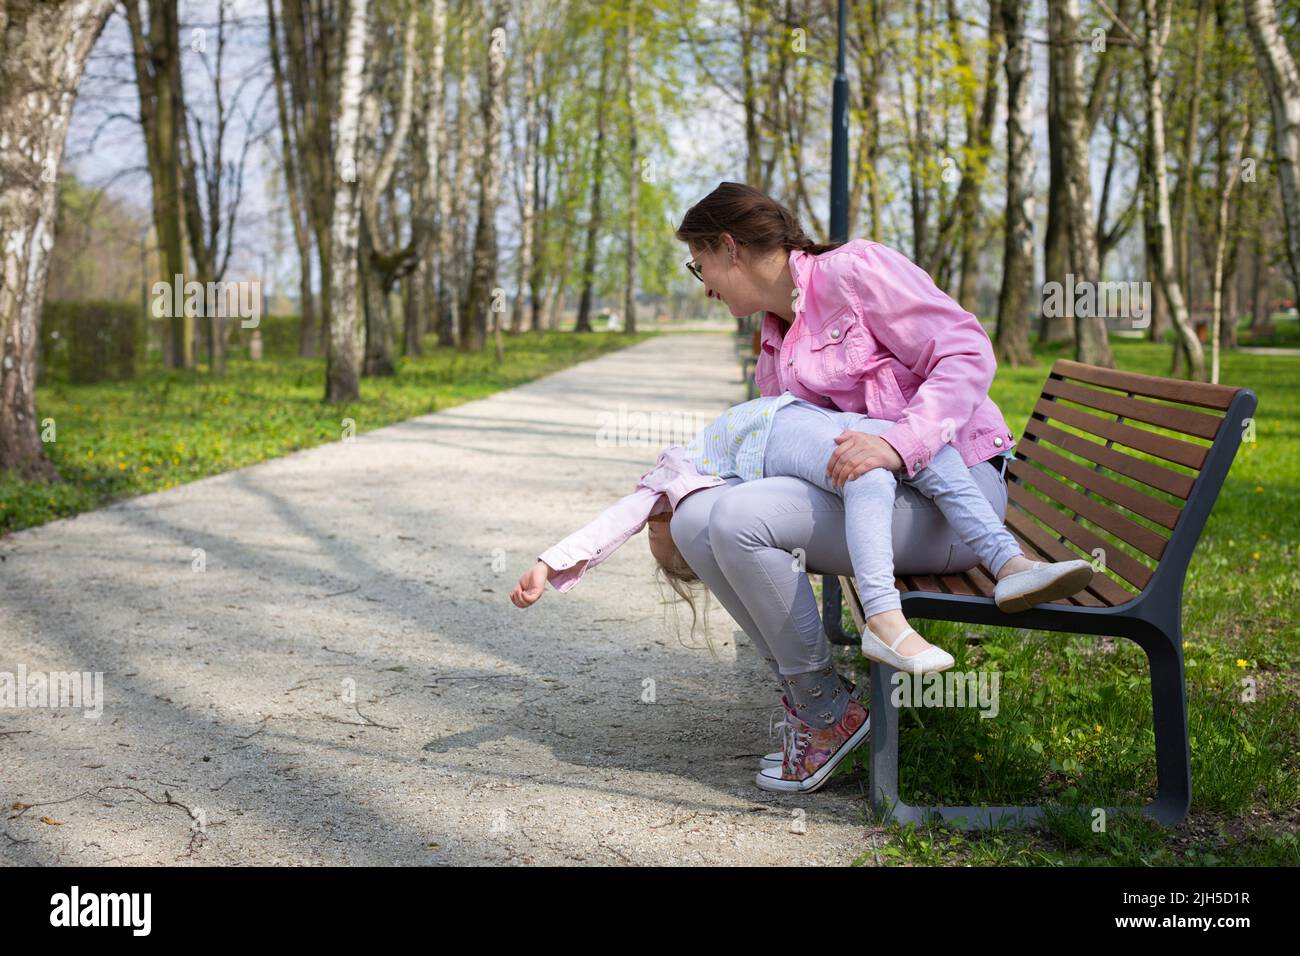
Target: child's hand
[(531, 586)]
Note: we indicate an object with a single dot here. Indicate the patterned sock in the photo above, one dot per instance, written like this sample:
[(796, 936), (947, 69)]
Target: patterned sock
[(819, 697)]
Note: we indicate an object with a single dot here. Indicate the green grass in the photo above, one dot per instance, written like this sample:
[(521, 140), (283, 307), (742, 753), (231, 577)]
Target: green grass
[(1074, 721), (166, 428), (1074, 725), (1286, 333)]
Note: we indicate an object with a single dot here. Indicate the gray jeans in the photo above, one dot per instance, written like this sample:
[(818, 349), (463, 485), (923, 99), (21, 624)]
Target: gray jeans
[(802, 440), (750, 541)]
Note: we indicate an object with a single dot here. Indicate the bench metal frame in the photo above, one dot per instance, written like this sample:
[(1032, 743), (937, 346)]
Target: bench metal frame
[(1152, 620)]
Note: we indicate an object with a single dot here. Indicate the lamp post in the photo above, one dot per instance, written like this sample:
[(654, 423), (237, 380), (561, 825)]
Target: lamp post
[(839, 218), (832, 597)]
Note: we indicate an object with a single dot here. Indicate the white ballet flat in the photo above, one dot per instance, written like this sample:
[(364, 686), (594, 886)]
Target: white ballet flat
[(1042, 583), (930, 660)]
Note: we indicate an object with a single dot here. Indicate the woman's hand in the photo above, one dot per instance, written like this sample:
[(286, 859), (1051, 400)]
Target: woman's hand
[(857, 454), (531, 586)]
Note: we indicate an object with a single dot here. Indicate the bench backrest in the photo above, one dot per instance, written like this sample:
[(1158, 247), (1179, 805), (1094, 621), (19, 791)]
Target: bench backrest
[(1137, 490)]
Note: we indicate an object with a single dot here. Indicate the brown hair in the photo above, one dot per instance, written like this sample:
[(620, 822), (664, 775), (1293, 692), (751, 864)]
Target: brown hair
[(754, 218)]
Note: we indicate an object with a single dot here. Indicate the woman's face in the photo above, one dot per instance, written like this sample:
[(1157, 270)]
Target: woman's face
[(725, 277)]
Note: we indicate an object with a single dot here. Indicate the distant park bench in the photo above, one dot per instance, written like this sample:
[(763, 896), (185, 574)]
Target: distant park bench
[(1072, 496), (747, 351)]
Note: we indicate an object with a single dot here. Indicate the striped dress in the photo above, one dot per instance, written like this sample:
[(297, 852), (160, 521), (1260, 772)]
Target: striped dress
[(734, 442)]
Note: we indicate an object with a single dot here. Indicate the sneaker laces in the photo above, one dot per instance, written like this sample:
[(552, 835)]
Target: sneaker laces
[(792, 737)]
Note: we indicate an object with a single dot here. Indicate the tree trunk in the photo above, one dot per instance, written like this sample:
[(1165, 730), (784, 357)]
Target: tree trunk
[(1055, 329), (43, 51), (1091, 342), (593, 222), (463, 253), (1187, 172), (1277, 65), (343, 357), (1220, 246), (484, 300), (1018, 258), (634, 172), (527, 201), (384, 264), (308, 334), (156, 57), (439, 173), (1156, 31)]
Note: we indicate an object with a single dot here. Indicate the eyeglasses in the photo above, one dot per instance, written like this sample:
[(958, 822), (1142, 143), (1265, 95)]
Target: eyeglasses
[(694, 266)]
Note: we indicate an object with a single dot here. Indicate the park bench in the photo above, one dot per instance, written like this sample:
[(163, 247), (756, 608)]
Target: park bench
[(747, 350), (1132, 499)]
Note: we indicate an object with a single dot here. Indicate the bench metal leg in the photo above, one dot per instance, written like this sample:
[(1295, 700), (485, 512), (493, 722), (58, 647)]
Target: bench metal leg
[(1169, 714), (1173, 757), (832, 604)]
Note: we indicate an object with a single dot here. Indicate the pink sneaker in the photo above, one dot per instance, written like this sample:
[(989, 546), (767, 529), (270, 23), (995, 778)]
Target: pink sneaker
[(813, 753), (777, 757)]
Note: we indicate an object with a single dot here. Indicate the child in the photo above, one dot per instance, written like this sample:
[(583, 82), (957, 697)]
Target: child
[(785, 435)]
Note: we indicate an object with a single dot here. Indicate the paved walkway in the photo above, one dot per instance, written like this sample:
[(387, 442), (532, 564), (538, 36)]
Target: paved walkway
[(347, 682)]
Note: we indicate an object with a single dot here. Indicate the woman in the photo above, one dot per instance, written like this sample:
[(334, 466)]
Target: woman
[(859, 328)]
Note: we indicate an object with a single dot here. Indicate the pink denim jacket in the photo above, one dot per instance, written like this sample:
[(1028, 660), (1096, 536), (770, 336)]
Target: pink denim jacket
[(658, 490), (872, 333)]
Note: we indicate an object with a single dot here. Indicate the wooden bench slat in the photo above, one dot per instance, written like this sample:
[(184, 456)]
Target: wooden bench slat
[(981, 580), (1162, 446), (1147, 472), (957, 584), (1153, 386), (1139, 502), (1027, 533), (1129, 568), (1166, 416), (1130, 532)]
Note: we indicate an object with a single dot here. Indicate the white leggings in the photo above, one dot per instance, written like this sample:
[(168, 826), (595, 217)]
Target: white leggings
[(750, 541)]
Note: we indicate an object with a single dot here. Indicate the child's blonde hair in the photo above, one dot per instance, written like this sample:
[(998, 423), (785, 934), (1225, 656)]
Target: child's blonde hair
[(686, 584)]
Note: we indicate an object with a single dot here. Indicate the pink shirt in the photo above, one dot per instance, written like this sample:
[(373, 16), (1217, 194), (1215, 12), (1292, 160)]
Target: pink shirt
[(658, 490), (872, 333)]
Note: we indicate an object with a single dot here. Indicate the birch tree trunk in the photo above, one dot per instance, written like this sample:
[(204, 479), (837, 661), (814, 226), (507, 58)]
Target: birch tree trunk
[(343, 357), (43, 51), (1018, 259), (1155, 34), (484, 302), (634, 172), (1186, 174), (1277, 65), (462, 252), (528, 199), (1220, 247)]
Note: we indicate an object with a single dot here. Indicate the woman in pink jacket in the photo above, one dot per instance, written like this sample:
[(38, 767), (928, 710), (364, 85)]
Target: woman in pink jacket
[(856, 327)]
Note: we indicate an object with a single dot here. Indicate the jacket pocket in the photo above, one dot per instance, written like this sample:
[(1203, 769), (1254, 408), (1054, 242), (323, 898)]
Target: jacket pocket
[(889, 399), (837, 350)]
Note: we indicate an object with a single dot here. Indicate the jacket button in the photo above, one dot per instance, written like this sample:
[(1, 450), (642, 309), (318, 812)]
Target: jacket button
[(791, 362), (998, 441), (598, 550), (916, 465), (835, 333)]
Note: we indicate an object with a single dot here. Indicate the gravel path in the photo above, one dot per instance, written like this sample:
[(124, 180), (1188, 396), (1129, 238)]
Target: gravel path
[(347, 682)]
